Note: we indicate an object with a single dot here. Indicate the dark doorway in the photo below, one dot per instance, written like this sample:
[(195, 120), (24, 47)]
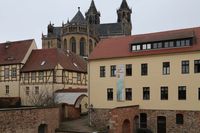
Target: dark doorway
[(42, 128), (126, 126), (161, 124)]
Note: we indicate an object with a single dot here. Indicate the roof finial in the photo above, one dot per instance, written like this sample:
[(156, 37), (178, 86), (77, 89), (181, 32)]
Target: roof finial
[(78, 8)]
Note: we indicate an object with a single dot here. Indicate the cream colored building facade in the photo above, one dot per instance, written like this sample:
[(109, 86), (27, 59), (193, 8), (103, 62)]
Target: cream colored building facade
[(160, 74)]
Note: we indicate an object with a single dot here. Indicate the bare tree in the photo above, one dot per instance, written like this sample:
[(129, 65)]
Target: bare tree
[(42, 99)]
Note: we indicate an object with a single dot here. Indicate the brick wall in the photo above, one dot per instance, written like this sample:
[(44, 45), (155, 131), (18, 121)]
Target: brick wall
[(113, 119), (73, 113), (191, 120), (27, 120)]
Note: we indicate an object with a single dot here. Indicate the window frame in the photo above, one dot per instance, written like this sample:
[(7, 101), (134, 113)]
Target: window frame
[(102, 72), (144, 69), (109, 94), (37, 90), (164, 93), (185, 67), (182, 95), (197, 66), (128, 94), (179, 119), (7, 89), (14, 72), (113, 71), (6, 73), (146, 93), (128, 69), (166, 68)]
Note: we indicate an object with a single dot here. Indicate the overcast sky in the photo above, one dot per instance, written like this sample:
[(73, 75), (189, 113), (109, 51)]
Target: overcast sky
[(25, 19)]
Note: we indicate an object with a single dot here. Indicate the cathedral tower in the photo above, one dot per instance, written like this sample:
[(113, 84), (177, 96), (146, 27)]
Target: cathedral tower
[(92, 15), (124, 17)]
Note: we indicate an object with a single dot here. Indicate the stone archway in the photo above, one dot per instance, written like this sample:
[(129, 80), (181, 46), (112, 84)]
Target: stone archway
[(42, 128), (126, 127), (82, 102)]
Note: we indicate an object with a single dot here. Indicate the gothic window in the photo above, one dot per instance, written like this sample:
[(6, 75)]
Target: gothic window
[(73, 44), (90, 46), (82, 47), (65, 43)]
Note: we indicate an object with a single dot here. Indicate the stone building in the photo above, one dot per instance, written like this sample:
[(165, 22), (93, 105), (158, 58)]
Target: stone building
[(147, 82), (81, 34)]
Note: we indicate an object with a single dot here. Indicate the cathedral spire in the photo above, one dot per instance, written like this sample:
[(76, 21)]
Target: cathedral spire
[(92, 15), (124, 5)]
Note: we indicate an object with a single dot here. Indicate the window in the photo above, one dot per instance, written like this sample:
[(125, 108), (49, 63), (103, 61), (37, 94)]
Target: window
[(199, 93), (109, 94), (128, 93), (6, 73), (41, 76), (33, 76), (164, 93), (27, 91), (128, 70), (13, 72), (113, 71), (7, 89), (197, 66), (185, 67), (73, 44), (146, 93), (179, 119), (144, 69), (26, 76), (36, 90), (166, 68), (78, 77), (166, 44), (178, 43), (102, 71), (182, 93), (82, 47), (143, 120)]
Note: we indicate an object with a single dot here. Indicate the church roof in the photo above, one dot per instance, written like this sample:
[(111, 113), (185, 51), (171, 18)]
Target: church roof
[(78, 18), (14, 52), (120, 46), (110, 29), (92, 8), (124, 5), (48, 59)]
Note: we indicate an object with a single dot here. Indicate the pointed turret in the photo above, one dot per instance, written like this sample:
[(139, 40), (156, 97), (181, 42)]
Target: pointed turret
[(124, 12), (124, 17), (92, 15), (78, 18)]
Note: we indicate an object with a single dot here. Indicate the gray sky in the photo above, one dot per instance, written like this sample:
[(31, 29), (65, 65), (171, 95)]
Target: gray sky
[(25, 19)]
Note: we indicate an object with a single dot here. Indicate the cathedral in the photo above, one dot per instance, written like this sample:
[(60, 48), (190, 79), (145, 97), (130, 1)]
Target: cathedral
[(82, 33)]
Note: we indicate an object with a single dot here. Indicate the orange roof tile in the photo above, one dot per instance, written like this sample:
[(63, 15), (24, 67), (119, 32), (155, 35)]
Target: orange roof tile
[(120, 47)]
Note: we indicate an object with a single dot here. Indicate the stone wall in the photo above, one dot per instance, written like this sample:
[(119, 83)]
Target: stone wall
[(191, 120), (113, 119), (27, 120)]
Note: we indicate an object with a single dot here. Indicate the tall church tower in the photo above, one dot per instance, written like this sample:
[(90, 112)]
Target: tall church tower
[(124, 17), (92, 15)]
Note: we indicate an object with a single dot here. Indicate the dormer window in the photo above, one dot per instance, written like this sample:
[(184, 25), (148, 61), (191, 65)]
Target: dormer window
[(162, 44)]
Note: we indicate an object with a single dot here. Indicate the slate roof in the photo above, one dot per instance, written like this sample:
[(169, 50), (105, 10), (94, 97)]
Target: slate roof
[(110, 29), (124, 5), (120, 46), (78, 18), (14, 52), (92, 8), (56, 32), (48, 59)]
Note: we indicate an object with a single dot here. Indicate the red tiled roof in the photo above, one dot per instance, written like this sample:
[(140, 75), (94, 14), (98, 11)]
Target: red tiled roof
[(72, 90), (120, 47), (47, 59), (14, 52)]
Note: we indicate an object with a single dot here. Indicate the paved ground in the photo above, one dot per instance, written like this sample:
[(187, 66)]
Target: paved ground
[(80, 125)]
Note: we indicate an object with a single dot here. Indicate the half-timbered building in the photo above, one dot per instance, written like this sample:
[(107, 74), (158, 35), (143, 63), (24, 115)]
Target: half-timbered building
[(13, 56), (48, 70)]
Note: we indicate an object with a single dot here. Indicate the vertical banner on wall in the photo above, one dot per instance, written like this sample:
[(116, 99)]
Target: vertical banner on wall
[(120, 72)]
